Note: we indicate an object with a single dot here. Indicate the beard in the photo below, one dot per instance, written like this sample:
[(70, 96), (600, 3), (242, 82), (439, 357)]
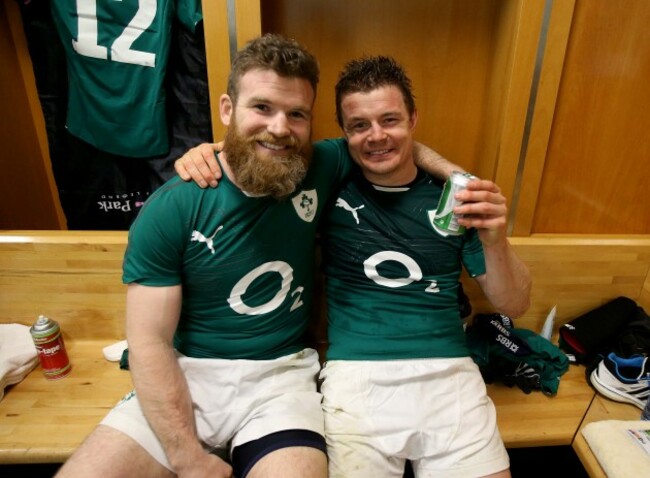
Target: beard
[(276, 176)]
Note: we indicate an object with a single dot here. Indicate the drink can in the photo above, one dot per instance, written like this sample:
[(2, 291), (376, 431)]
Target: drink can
[(47, 337), (445, 221)]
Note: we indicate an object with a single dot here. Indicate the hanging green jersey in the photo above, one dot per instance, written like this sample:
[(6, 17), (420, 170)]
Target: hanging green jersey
[(117, 54), (392, 280), (245, 263)]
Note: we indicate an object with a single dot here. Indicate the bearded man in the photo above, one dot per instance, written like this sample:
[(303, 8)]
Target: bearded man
[(219, 292)]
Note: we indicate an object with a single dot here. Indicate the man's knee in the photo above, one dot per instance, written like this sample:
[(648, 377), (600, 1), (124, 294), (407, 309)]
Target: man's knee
[(292, 462)]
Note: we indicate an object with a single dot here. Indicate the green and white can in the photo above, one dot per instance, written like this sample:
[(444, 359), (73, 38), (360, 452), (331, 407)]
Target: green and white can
[(444, 220)]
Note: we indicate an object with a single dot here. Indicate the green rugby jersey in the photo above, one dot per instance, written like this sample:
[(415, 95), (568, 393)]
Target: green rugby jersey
[(245, 263), (392, 280), (117, 54)]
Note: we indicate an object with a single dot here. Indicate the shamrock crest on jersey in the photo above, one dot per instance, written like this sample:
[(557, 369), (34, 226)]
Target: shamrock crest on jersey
[(306, 204)]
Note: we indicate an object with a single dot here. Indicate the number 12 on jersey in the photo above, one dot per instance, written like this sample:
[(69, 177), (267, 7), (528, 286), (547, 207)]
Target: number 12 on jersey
[(86, 43)]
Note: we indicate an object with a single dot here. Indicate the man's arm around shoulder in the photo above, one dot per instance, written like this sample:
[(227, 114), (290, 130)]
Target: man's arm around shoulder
[(432, 162)]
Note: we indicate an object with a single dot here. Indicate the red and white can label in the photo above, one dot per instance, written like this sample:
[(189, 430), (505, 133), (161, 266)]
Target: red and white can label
[(51, 349)]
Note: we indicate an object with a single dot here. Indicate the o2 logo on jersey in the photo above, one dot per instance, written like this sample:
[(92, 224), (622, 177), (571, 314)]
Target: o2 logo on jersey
[(412, 268), (121, 51), (286, 272)]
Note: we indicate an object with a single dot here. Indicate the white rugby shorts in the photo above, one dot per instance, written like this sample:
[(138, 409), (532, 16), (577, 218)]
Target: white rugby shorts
[(243, 400), (433, 412)]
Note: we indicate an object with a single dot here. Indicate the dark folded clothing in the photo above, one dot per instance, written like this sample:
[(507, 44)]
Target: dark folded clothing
[(515, 356)]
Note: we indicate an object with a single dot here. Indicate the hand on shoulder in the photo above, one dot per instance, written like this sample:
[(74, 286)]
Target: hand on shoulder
[(200, 165)]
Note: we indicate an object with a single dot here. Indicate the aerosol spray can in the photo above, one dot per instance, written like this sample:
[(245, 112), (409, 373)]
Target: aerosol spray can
[(50, 347), (445, 220)]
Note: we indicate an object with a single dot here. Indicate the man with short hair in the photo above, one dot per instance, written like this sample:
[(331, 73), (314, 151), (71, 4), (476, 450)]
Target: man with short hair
[(399, 383)]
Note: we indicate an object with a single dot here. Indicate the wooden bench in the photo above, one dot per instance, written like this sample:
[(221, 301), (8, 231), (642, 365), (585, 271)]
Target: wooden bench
[(75, 278), (577, 273)]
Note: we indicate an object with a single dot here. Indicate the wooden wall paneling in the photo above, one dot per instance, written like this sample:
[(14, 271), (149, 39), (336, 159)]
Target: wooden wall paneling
[(523, 206), (217, 51), (217, 15), (596, 172), (498, 75), (514, 101), (28, 193), (446, 47), (249, 20)]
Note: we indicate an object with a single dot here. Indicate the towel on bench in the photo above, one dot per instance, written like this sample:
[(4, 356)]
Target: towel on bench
[(615, 448), (18, 354)]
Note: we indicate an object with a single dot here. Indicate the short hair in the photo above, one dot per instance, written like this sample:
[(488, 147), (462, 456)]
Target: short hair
[(371, 72), (285, 57)]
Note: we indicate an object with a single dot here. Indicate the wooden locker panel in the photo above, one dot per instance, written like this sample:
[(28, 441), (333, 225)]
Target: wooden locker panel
[(28, 194), (596, 172)]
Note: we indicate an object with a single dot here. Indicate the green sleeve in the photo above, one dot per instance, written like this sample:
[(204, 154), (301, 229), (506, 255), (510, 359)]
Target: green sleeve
[(189, 13), (473, 258), (335, 152)]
